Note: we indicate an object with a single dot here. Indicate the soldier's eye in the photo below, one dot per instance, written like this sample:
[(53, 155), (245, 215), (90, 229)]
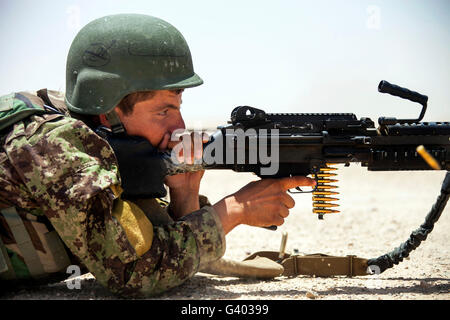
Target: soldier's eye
[(163, 113)]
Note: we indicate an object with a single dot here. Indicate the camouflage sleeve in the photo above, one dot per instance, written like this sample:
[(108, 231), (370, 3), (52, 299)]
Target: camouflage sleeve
[(69, 171)]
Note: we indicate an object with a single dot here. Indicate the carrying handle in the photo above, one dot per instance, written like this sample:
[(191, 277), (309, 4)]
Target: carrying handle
[(392, 89)]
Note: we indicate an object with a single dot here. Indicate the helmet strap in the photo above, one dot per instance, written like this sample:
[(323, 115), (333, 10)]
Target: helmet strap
[(114, 121)]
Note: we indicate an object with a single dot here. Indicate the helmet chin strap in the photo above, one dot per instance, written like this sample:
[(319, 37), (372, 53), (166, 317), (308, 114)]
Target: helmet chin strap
[(114, 120)]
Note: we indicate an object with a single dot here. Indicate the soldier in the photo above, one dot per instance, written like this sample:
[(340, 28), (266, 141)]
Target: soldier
[(60, 180)]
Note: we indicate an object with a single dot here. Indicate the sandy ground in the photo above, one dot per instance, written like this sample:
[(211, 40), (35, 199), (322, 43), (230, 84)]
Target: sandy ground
[(378, 212)]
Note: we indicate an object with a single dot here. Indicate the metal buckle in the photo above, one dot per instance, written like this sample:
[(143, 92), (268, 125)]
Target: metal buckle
[(295, 265), (350, 260)]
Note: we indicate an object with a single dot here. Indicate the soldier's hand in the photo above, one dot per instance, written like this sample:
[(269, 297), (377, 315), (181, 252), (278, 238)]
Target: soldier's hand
[(260, 203), (188, 151), (184, 187)]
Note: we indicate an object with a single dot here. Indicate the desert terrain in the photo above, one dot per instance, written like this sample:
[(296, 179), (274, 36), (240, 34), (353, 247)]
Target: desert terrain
[(378, 212)]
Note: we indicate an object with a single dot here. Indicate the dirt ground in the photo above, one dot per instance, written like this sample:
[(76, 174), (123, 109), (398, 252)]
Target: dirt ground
[(378, 212)]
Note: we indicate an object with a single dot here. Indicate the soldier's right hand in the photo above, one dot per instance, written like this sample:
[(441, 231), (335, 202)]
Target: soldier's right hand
[(260, 203)]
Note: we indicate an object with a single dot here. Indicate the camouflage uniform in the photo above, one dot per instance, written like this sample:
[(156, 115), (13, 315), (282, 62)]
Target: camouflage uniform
[(54, 167)]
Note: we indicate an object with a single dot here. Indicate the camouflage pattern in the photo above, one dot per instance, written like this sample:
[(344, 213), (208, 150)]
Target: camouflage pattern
[(56, 167), (173, 168)]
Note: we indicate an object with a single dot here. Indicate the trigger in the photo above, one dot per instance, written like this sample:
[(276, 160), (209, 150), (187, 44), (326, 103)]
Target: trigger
[(294, 192)]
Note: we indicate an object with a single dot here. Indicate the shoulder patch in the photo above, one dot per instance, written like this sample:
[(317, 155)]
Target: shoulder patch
[(15, 107), (6, 102)]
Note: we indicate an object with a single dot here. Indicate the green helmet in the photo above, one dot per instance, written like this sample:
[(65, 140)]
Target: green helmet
[(116, 55)]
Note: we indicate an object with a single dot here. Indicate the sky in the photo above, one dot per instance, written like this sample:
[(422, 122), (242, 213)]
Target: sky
[(279, 56)]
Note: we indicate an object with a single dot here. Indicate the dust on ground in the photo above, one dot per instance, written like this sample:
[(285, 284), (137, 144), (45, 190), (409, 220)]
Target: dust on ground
[(378, 212)]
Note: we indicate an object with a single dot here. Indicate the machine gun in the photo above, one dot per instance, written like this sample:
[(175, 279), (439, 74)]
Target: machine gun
[(274, 145), (311, 143)]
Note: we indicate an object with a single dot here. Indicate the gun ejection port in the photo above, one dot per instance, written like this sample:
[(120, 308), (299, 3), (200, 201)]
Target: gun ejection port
[(362, 139)]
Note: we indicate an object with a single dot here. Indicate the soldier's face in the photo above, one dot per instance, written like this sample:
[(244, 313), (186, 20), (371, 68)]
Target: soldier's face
[(156, 118)]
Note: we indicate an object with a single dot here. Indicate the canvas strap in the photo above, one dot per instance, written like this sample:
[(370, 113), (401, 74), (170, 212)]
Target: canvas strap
[(23, 242), (52, 255), (6, 269), (114, 121), (319, 265)]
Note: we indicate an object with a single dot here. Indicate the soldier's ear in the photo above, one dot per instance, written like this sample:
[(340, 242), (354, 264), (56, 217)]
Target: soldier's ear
[(104, 121)]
